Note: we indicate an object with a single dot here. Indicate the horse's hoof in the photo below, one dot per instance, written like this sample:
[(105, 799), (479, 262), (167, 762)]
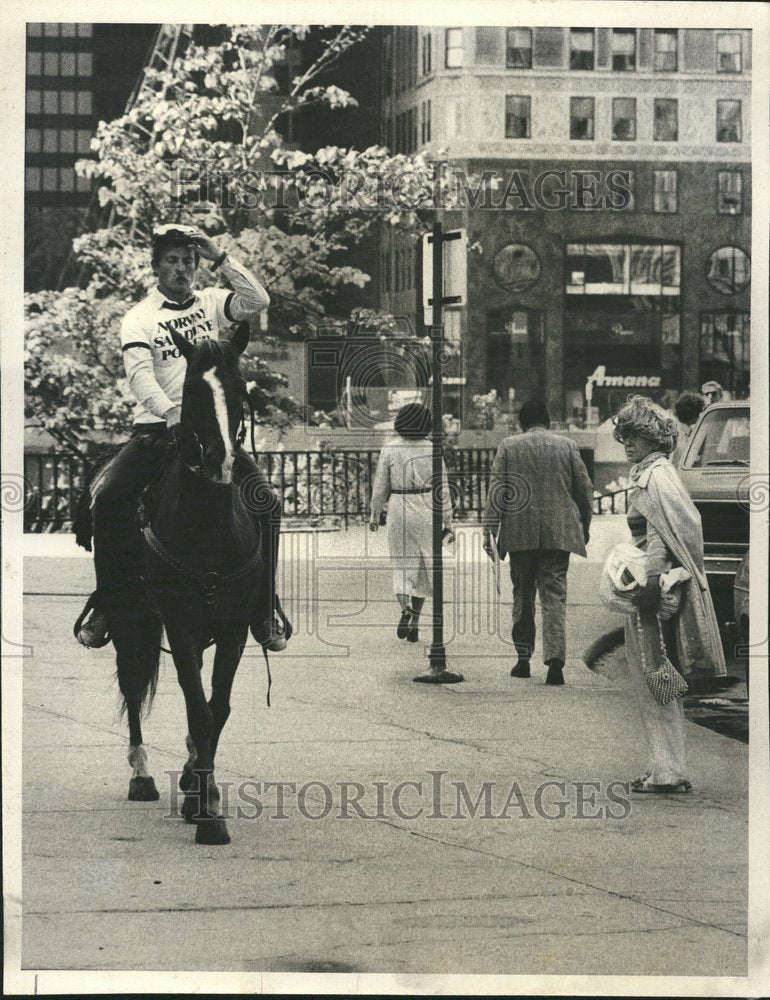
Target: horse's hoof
[(190, 808), (212, 831), (142, 790), (186, 780)]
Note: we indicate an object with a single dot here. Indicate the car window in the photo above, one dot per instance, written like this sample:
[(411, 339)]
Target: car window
[(721, 438)]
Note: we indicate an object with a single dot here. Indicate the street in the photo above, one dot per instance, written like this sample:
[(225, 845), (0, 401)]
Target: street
[(337, 870)]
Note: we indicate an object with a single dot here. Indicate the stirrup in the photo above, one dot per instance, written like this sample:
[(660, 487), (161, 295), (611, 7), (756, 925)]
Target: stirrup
[(93, 634)]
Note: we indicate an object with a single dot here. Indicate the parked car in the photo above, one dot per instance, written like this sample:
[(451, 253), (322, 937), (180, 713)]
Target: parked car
[(714, 470), (741, 602)]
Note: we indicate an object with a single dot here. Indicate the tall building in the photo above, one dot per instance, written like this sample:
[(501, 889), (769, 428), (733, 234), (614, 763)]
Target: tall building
[(605, 184), (76, 75)]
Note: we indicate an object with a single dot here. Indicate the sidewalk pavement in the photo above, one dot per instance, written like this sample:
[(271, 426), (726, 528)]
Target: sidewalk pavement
[(605, 883)]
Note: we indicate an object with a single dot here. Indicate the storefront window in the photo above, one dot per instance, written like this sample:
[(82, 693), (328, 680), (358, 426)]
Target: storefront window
[(725, 350), (623, 269), (515, 347)]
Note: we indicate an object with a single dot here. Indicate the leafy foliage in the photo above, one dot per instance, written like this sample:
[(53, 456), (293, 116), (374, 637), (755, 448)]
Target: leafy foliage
[(201, 145)]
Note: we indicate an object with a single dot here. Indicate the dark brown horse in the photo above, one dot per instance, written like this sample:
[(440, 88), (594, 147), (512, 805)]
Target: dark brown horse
[(202, 547)]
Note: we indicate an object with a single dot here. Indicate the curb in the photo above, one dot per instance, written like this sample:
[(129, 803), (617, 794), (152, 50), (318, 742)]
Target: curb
[(603, 644)]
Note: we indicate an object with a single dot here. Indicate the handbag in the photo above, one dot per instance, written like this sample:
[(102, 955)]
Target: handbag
[(625, 573), (664, 683)]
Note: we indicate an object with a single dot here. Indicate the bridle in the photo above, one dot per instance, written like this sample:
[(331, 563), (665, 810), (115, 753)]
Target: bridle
[(180, 439)]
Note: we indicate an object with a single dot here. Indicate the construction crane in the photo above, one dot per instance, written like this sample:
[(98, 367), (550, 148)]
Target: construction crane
[(170, 40)]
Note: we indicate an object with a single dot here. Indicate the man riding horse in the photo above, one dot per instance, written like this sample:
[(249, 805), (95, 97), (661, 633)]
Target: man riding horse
[(156, 372)]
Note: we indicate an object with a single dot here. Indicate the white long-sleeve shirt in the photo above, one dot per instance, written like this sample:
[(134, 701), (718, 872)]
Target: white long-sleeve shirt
[(154, 367)]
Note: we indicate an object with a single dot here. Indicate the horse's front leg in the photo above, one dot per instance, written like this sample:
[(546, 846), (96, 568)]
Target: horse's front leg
[(201, 801), (226, 660)]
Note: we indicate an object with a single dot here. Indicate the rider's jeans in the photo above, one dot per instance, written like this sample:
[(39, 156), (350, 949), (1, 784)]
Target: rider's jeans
[(118, 552)]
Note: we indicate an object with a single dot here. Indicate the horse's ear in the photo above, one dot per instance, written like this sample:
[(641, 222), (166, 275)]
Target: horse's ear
[(240, 338), (185, 347)]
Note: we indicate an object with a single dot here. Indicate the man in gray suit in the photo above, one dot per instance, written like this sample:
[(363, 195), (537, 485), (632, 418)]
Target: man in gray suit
[(539, 505)]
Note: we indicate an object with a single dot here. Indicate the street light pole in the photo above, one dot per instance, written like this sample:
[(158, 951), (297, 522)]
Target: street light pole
[(438, 673)]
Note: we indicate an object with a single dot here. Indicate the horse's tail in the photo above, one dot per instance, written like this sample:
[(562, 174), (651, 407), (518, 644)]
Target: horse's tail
[(136, 633)]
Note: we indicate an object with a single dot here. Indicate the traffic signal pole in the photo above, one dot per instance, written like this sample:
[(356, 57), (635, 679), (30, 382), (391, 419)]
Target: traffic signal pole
[(438, 672)]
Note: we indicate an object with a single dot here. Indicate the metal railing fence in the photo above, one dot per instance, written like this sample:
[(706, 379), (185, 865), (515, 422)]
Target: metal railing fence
[(314, 485)]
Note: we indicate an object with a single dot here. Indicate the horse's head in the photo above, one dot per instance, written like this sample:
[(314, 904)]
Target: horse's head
[(212, 404)]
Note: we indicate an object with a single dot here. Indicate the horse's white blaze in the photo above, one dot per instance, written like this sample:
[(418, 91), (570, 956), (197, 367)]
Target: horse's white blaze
[(220, 410)]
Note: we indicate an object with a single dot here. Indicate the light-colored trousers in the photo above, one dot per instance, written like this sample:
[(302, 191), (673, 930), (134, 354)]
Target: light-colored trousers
[(663, 724)]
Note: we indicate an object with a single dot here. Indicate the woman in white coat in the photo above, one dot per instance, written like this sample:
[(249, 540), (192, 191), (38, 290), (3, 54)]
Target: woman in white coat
[(404, 481)]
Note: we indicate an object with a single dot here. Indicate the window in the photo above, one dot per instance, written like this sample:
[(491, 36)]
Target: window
[(425, 126), (516, 266), (453, 118), (34, 63), (34, 102), (665, 124), (730, 192), (84, 102), (517, 117), (665, 196), (387, 64), (623, 269), (515, 338), (725, 353), (454, 48), (518, 48), (728, 121), (32, 140), (729, 53), (729, 270), (665, 59), (427, 53), (35, 29), (624, 49), (624, 118), (581, 118), (581, 48)]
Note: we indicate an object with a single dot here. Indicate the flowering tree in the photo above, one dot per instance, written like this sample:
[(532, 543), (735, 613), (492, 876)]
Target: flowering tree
[(201, 145)]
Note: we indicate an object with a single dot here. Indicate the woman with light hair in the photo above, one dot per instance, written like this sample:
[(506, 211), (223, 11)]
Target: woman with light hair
[(666, 526)]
